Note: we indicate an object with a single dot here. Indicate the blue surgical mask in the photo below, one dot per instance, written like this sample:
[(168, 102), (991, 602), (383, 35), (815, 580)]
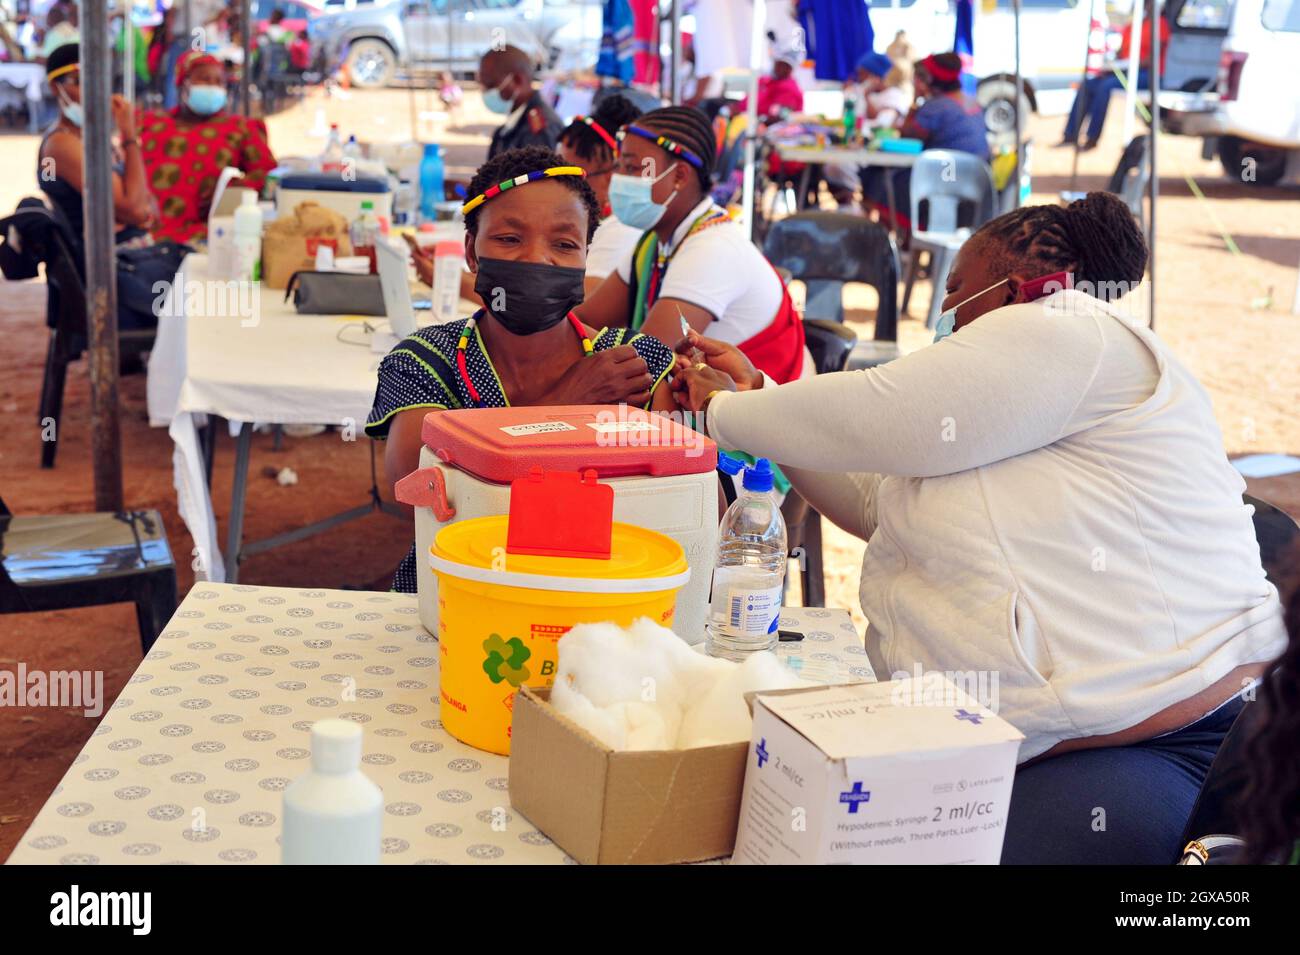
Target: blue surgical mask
[(206, 100), (497, 103), (631, 202), (72, 112), (948, 320)]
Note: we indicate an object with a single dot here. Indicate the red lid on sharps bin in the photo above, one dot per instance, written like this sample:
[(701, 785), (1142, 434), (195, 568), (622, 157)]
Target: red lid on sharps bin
[(504, 444)]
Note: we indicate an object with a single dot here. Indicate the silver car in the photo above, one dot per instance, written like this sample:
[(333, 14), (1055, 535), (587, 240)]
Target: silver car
[(378, 40)]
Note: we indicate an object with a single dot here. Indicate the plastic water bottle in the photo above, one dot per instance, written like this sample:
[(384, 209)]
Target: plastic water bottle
[(331, 160), (247, 243), (352, 149), (364, 233), (431, 182), (333, 815), (749, 576)]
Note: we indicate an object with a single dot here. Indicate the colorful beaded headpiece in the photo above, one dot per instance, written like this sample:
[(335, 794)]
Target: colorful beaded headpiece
[(526, 178), (599, 130), (674, 147)]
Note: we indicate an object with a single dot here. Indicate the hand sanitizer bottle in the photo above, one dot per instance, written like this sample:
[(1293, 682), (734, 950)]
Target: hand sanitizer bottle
[(333, 814)]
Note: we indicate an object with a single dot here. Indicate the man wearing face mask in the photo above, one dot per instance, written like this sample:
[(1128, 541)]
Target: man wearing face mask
[(528, 223), (186, 148), (60, 170), (1045, 496), (507, 79)]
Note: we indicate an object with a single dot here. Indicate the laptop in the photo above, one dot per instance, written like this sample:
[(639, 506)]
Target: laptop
[(396, 288)]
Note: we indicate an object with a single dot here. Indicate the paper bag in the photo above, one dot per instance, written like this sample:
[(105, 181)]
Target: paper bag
[(290, 242)]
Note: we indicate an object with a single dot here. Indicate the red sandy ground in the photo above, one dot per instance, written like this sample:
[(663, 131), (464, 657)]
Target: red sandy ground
[(1248, 358)]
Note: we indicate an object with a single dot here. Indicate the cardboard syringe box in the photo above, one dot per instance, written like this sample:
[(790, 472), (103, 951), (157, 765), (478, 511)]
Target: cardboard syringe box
[(604, 806), (876, 773)]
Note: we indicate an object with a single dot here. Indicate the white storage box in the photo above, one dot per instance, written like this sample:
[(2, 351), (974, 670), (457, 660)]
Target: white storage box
[(911, 771), (663, 476)]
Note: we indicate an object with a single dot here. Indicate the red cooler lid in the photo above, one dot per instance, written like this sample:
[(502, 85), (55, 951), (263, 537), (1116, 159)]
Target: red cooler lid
[(504, 444)]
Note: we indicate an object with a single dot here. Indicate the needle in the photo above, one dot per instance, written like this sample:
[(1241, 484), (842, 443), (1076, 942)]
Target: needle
[(697, 356)]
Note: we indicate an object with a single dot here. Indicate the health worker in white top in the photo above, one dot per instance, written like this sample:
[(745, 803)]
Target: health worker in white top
[(691, 264), (590, 142), (1048, 505)]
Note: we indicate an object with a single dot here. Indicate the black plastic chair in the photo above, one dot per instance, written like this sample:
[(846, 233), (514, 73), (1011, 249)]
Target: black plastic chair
[(831, 344), (824, 250), (47, 236), (1130, 178), (1214, 812), (64, 561)]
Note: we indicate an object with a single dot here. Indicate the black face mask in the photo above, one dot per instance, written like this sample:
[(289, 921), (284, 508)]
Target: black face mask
[(528, 297)]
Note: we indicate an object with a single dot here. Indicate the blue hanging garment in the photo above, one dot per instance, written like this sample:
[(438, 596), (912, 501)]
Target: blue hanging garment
[(837, 33)]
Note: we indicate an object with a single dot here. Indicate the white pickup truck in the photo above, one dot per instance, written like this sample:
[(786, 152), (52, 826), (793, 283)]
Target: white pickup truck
[(1250, 117)]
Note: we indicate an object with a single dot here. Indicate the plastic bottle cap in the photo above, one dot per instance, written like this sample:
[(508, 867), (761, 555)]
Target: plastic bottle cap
[(424, 227), (249, 198), (335, 746), (729, 465), (758, 476), (453, 249)]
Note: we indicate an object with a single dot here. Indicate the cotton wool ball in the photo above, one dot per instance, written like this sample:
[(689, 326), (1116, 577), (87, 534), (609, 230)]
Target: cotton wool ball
[(721, 715), (649, 725), (609, 665), (608, 727)]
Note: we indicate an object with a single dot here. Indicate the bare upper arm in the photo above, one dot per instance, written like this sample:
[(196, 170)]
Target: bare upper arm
[(665, 320), (64, 151), (607, 307), (402, 449)]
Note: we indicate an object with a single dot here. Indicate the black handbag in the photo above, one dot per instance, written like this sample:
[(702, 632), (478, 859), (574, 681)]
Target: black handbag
[(335, 293), (141, 270)]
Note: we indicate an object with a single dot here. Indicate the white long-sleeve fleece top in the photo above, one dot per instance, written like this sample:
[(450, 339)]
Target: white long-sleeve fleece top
[(1046, 496)]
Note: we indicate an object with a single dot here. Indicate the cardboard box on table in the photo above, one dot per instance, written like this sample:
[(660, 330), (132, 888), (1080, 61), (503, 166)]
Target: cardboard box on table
[(910, 771), (602, 806)]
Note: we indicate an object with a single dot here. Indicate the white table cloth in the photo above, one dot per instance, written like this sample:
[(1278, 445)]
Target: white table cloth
[(256, 361), (190, 763), (23, 86)]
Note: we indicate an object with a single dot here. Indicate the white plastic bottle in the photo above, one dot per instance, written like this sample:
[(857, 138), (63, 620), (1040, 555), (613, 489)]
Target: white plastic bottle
[(331, 160), (749, 577), (333, 815), (448, 265), (247, 257)]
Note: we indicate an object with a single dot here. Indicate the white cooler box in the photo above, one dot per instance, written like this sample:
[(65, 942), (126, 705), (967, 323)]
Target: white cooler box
[(663, 476)]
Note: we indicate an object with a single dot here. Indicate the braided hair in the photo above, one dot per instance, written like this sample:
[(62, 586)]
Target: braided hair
[(1095, 237), (613, 112), (1268, 810), (519, 162), (690, 127)]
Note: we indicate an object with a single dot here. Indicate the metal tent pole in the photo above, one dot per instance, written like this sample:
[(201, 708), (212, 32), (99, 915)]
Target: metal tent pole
[(1081, 100), (245, 41), (1153, 177), (1134, 60), (674, 75), (1020, 94), (128, 53), (101, 266), (756, 39)]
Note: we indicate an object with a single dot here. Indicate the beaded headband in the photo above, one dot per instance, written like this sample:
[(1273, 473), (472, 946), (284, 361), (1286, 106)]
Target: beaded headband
[(599, 130), (494, 191), (674, 147)]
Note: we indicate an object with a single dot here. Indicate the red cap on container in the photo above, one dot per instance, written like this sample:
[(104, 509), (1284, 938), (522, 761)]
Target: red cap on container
[(560, 514), (503, 444), (447, 247)]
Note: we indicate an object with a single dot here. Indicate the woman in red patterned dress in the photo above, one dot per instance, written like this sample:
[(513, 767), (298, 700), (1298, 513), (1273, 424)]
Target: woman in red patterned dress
[(186, 148)]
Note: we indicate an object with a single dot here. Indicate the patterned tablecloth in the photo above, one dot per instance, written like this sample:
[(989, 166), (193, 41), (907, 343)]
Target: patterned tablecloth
[(190, 763)]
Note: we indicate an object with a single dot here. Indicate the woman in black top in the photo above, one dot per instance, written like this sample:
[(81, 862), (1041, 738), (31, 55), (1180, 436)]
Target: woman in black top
[(60, 168)]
